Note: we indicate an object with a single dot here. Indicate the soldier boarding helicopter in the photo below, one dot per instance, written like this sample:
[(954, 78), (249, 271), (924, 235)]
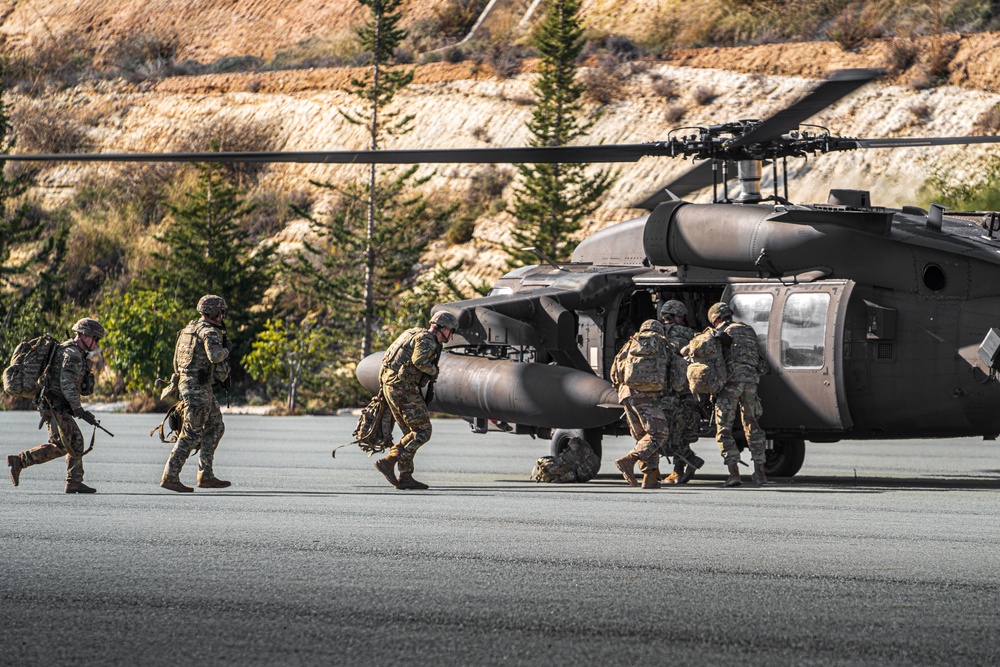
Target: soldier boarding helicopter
[(872, 319)]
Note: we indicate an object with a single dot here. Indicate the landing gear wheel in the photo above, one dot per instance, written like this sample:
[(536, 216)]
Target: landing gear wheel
[(786, 457), (562, 436)]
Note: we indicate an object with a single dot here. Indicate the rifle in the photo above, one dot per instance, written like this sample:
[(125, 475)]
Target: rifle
[(92, 420)]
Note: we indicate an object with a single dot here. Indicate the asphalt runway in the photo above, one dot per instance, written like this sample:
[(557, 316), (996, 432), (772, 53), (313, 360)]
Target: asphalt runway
[(876, 554)]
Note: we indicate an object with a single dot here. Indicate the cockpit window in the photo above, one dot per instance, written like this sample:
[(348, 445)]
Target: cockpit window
[(753, 309), (803, 330)]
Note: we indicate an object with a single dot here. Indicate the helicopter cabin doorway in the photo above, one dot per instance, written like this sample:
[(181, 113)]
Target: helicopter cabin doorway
[(801, 328)]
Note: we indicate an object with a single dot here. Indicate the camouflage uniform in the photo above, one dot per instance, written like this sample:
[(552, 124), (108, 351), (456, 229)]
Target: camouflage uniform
[(643, 410), (743, 360), (681, 407), (70, 377), (409, 363), (201, 359)]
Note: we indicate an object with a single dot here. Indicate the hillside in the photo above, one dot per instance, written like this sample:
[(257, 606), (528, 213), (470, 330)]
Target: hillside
[(463, 104)]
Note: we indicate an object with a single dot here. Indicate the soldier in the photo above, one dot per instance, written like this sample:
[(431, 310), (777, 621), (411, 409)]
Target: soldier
[(410, 363), (201, 359), (639, 374), (744, 363), (681, 407), (68, 378)]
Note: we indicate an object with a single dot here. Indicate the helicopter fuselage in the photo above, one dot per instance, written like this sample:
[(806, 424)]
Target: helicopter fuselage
[(870, 319)]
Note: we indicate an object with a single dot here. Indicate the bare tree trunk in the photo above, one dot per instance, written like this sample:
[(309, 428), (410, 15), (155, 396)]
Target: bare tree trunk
[(366, 341)]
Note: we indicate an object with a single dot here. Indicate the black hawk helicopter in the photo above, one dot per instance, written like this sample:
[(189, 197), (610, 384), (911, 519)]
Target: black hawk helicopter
[(876, 322)]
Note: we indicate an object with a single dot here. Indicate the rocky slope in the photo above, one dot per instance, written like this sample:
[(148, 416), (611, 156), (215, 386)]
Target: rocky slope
[(465, 105)]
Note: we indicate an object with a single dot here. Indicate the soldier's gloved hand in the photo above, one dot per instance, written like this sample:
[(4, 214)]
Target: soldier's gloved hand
[(86, 416)]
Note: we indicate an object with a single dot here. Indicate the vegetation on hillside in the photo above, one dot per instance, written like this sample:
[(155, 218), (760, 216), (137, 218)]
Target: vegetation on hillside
[(136, 246)]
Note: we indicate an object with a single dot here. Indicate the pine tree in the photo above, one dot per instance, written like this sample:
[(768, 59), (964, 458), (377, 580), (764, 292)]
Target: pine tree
[(207, 251), (377, 231), (550, 200)]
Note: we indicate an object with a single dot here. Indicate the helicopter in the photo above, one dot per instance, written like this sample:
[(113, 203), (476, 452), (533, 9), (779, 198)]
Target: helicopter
[(877, 323)]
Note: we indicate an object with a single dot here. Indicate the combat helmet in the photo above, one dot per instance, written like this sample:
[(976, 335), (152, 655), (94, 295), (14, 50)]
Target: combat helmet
[(212, 306), (88, 326), (720, 311), (672, 307), (444, 319)]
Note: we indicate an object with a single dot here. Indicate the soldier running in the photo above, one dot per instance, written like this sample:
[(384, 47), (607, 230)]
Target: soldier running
[(201, 359), (410, 363), (744, 364), (69, 377)]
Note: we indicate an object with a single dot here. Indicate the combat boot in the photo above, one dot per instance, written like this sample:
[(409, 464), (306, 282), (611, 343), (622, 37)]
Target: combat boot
[(14, 461), (79, 487), (759, 477), (212, 482), (407, 482), (175, 485), (626, 465), (734, 475), (695, 463), (387, 466), (676, 474), (651, 479)]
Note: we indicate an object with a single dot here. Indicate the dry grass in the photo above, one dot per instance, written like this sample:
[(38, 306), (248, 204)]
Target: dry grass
[(40, 128), (664, 87), (675, 113), (226, 133), (853, 27), (338, 48), (921, 112), (989, 121), (603, 85), (704, 95)]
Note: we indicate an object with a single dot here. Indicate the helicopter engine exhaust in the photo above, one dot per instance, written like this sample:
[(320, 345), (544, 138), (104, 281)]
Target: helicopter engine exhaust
[(768, 241), (531, 394)]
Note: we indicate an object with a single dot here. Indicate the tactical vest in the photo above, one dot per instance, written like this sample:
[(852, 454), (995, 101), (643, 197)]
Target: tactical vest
[(397, 368), (190, 358), (745, 349)]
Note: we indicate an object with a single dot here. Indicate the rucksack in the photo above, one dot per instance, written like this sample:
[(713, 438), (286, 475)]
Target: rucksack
[(706, 374), (646, 363), (576, 463), (24, 376), (373, 432), (172, 424)]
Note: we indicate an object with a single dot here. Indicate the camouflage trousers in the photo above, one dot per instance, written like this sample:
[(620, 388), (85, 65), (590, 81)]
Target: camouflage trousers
[(61, 426), (410, 412), (648, 426), (203, 428), (684, 418), (739, 397)]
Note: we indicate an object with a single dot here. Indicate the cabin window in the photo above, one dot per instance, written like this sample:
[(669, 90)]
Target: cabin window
[(753, 308), (803, 330)]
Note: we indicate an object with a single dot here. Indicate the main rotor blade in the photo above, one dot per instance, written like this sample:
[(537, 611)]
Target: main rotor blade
[(924, 141), (694, 179), (538, 155), (839, 85)]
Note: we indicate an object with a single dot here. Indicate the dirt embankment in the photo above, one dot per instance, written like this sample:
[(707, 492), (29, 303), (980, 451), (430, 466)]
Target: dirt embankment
[(974, 64)]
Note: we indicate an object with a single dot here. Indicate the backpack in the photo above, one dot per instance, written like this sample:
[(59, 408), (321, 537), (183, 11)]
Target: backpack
[(172, 423), (374, 430), (646, 362), (576, 463), (706, 374), (24, 376)]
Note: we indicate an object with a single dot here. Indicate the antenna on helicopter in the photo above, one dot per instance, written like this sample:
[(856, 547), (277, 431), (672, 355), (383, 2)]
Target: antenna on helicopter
[(545, 258)]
